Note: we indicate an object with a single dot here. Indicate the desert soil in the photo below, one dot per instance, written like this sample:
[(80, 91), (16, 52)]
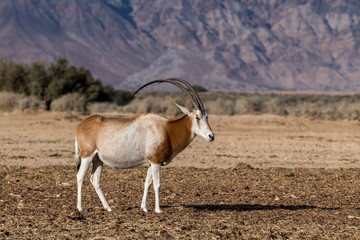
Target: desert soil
[(264, 177)]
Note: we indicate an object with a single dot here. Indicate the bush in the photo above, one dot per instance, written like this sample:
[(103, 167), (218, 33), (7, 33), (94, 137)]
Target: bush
[(32, 103), (53, 80), (69, 102), (121, 97), (199, 88), (225, 103), (157, 102), (8, 101), (19, 102), (220, 107), (103, 107)]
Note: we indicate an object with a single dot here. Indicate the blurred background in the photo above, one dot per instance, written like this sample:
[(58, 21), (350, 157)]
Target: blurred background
[(286, 57)]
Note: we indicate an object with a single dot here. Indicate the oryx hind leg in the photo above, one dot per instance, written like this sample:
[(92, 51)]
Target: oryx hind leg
[(84, 166), (95, 180), (147, 184)]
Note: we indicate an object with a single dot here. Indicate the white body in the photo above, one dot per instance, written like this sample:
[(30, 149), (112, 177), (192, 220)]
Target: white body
[(138, 137), (130, 142)]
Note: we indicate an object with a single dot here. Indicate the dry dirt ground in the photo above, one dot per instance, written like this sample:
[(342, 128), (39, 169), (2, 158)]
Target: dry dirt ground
[(264, 177)]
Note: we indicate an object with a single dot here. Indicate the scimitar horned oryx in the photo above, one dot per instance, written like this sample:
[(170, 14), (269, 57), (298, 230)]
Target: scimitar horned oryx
[(127, 142)]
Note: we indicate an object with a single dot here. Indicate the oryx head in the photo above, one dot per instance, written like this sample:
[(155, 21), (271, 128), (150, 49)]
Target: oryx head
[(200, 124)]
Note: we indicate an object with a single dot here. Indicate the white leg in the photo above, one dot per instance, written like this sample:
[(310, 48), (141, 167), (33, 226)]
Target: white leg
[(85, 163), (95, 180), (155, 168), (147, 184)]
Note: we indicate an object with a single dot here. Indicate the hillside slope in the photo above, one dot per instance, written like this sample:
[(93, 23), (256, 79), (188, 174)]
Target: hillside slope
[(247, 45)]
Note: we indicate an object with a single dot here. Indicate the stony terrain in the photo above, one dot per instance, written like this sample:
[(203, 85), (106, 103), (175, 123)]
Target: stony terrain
[(237, 203), (247, 45), (264, 177)]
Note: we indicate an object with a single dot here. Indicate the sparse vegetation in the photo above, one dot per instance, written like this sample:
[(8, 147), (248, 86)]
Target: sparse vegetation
[(220, 103), (69, 102), (199, 88), (103, 107), (59, 87), (19, 102), (48, 82)]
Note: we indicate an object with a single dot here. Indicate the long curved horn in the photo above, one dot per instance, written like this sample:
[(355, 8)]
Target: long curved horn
[(195, 102), (199, 102)]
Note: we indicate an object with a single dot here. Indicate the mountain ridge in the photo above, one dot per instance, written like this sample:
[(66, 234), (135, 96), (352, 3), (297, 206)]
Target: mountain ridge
[(244, 45)]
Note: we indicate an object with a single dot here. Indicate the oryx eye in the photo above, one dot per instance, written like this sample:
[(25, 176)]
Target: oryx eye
[(197, 118)]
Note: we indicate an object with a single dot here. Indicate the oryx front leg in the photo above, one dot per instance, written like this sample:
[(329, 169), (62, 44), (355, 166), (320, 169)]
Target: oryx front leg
[(95, 180), (85, 163), (147, 184), (155, 171)]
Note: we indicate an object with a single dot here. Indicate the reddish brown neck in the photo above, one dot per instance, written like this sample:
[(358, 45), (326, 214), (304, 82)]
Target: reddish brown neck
[(180, 134)]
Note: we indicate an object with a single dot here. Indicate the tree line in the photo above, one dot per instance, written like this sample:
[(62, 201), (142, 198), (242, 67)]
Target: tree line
[(49, 81)]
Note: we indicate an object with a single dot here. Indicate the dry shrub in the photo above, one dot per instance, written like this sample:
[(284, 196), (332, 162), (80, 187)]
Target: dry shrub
[(19, 102), (32, 103), (157, 103), (103, 107), (220, 107), (8, 101), (69, 102), (255, 104), (347, 109), (225, 103), (139, 105), (239, 106)]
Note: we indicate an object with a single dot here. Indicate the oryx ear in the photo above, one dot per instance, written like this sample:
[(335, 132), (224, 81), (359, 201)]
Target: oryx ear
[(184, 109)]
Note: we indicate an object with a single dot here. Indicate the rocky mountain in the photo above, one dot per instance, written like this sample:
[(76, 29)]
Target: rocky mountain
[(220, 44)]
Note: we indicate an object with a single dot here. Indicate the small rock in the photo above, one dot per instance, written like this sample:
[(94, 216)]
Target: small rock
[(66, 184), (14, 195)]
